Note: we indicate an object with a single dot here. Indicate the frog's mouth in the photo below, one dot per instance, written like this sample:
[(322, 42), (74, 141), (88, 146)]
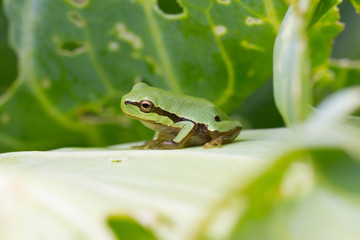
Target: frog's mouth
[(137, 118), (123, 104), (127, 102)]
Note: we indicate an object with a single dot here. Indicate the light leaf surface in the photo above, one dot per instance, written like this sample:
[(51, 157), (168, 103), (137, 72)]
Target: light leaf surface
[(311, 190), (75, 191)]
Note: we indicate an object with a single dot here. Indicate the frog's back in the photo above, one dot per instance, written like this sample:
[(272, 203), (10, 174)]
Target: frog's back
[(200, 110)]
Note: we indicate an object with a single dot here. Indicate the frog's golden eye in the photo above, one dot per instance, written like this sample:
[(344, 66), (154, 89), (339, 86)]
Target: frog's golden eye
[(146, 106)]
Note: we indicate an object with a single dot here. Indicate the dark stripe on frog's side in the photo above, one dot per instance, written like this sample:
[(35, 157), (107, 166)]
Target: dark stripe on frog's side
[(175, 118), (201, 134)]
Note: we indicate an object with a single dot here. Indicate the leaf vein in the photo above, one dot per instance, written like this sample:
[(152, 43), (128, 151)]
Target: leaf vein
[(161, 47), (228, 64), (27, 73), (98, 68)]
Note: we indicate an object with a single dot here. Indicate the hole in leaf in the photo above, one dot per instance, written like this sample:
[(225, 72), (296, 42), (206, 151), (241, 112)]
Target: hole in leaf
[(170, 6), (78, 3), (225, 2), (72, 48), (75, 18)]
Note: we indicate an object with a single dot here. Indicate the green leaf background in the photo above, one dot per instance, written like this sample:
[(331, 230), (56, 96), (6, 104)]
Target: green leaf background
[(74, 66), (7, 59), (64, 66)]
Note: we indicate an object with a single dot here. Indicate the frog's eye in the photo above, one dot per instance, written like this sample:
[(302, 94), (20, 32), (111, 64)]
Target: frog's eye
[(146, 106)]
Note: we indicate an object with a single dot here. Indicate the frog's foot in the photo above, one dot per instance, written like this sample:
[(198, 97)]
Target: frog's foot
[(147, 145), (166, 144), (140, 147), (214, 142), (154, 144)]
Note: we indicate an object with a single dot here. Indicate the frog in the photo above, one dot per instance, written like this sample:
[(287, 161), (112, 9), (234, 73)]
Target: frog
[(178, 120)]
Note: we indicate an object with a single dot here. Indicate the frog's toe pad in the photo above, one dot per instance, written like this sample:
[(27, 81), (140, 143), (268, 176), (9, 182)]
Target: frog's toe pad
[(214, 142), (140, 147)]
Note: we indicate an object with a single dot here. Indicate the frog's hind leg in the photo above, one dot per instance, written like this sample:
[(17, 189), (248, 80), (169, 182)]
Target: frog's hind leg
[(214, 142), (187, 129), (229, 131)]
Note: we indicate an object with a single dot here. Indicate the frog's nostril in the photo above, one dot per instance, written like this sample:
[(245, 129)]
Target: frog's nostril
[(127, 102)]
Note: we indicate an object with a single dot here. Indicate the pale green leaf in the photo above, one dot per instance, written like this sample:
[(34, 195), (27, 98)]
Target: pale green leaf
[(337, 107), (292, 69), (76, 191), (312, 184), (296, 195), (301, 51), (245, 187)]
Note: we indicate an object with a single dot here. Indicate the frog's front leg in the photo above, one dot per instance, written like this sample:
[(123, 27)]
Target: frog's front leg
[(150, 143), (187, 129), (223, 132)]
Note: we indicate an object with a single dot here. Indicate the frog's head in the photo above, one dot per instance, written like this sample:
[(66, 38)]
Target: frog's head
[(142, 103)]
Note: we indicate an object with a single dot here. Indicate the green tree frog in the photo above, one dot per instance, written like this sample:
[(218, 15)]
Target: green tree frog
[(179, 120)]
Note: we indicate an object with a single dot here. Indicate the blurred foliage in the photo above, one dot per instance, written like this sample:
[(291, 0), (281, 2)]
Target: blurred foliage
[(346, 45), (7, 57), (129, 229), (341, 73), (338, 169), (259, 110), (301, 49), (343, 69)]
